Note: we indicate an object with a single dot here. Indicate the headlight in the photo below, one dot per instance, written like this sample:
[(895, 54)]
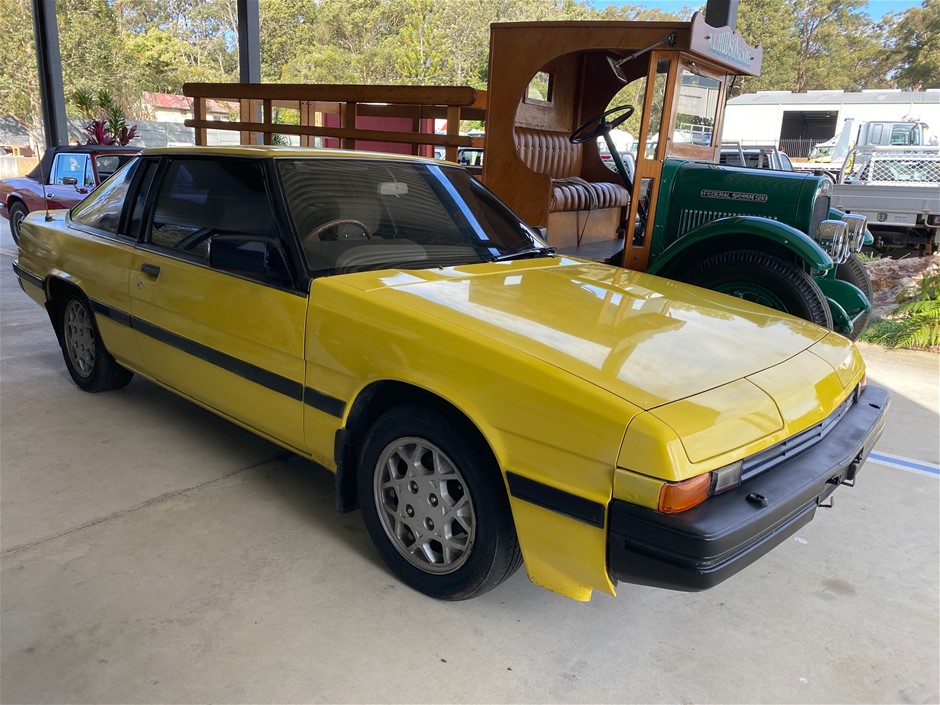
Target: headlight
[(855, 229), (833, 236)]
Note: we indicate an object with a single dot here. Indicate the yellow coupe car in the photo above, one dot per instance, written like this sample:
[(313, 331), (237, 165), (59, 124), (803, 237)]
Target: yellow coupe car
[(485, 401)]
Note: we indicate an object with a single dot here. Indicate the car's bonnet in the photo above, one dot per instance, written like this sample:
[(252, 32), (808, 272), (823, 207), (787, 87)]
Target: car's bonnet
[(646, 339)]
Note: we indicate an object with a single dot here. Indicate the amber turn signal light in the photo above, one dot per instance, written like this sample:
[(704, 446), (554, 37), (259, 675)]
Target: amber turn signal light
[(679, 496)]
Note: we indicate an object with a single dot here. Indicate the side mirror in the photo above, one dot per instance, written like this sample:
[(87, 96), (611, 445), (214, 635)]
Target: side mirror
[(239, 253), (69, 181)]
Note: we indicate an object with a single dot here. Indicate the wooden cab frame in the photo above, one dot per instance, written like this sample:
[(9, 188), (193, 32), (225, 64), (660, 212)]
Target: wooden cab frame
[(527, 155)]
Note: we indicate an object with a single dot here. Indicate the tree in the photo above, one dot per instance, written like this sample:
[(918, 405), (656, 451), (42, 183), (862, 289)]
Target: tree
[(19, 80), (421, 51), (813, 44), (915, 39)]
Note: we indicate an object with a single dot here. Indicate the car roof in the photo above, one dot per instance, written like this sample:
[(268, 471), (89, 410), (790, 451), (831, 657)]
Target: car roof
[(261, 151)]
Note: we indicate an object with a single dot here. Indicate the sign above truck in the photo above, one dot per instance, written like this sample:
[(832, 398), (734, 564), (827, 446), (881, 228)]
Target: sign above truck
[(725, 46)]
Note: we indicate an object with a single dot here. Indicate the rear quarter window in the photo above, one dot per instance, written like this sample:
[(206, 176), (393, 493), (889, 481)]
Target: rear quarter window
[(102, 209)]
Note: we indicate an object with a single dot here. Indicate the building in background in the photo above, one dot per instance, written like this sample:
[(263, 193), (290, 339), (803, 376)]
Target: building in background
[(797, 121)]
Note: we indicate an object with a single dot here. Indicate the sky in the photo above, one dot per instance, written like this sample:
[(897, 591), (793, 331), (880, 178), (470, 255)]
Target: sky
[(876, 8)]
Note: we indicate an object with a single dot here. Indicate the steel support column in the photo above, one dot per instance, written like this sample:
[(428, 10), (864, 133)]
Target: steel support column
[(49, 63), (249, 42)]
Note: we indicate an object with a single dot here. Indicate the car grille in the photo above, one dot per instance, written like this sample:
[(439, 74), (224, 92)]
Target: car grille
[(820, 213), (793, 446)]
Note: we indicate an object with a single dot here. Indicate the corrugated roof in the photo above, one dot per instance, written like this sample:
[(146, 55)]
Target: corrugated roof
[(837, 98), (169, 101), (13, 133)]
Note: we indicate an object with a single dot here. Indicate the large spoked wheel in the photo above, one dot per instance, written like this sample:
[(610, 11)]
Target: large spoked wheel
[(435, 505), (18, 211), (598, 126), (854, 272), (763, 279), (90, 365)]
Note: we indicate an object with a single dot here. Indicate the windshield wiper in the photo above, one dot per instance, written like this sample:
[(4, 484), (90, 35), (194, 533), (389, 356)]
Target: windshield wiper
[(527, 253)]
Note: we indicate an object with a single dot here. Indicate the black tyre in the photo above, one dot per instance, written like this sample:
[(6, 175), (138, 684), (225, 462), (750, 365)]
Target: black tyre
[(435, 505), (89, 363), (763, 279), (18, 211), (854, 272)]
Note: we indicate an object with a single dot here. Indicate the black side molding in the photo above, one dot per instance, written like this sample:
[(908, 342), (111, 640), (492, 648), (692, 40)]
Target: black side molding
[(556, 500)]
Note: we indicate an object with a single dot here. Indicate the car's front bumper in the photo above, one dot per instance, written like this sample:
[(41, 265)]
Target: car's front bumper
[(701, 547)]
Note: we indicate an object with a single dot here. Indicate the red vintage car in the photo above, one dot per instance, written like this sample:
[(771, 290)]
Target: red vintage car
[(63, 177)]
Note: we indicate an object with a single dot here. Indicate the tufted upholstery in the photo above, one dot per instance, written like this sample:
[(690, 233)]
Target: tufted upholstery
[(552, 153), (568, 196), (548, 152)]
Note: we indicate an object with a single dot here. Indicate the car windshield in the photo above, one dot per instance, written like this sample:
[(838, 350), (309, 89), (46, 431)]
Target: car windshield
[(358, 214)]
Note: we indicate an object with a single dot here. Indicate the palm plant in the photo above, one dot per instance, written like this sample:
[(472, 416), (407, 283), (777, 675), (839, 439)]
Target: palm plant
[(107, 121)]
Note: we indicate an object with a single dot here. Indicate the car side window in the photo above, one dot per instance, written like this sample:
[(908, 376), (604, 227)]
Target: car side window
[(106, 164), (70, 166), (204, 200), (102, 210)]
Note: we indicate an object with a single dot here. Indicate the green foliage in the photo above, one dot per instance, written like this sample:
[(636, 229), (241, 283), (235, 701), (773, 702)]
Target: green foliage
[(422, 46), (825, 44), (85, 102), (915, 324), (915, 40)]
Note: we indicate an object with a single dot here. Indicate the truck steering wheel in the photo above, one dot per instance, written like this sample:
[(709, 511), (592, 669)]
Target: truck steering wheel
[(582, 134)]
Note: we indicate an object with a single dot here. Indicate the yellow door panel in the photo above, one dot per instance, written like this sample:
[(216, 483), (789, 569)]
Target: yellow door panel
[(234, 344)]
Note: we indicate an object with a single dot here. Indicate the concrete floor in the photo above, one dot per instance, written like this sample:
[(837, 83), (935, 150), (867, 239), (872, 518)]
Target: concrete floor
[(152, 553)]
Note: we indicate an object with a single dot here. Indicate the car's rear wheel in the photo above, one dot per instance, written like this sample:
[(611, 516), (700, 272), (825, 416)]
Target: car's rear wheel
[(18, 211), (89, 363), (763, 279), (435, 505), (854, 272)]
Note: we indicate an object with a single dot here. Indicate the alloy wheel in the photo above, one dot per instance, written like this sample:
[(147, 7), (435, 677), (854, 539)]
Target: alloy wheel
[(424, 506), (79, 338)]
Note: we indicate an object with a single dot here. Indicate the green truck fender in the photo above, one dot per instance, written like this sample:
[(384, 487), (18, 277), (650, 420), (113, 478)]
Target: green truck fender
[(846, 302), (836, 214), (674, 257)]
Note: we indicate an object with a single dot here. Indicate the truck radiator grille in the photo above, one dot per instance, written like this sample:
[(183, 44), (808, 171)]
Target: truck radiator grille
[(820, 213), (690, 219), (785, 450)]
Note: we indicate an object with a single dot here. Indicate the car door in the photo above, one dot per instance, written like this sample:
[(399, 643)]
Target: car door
[(229, 338), (61, 191)]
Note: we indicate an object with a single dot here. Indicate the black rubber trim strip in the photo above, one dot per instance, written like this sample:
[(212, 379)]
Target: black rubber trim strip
[(252, 373), (115, 314), (556, 500), (23, 274), (324, 402)]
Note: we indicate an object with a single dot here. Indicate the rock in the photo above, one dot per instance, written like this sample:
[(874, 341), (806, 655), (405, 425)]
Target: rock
[(896, 281)]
